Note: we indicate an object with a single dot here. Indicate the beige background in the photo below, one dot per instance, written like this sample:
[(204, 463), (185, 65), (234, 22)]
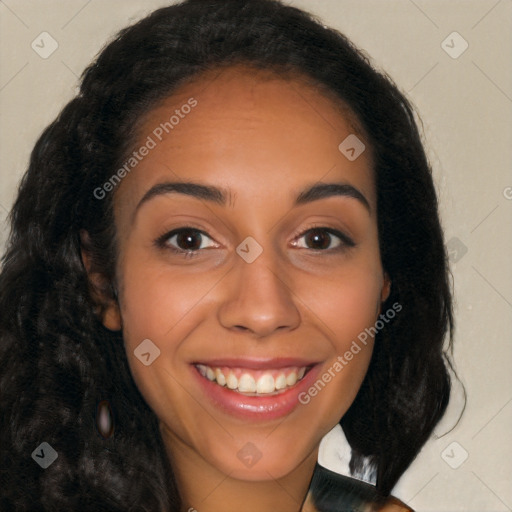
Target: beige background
[(465, 104)]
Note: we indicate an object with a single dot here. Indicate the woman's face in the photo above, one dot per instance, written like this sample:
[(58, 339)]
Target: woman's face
[(262, 273)]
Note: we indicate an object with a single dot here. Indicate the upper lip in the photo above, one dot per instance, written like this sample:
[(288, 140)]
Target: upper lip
[(257, 363)]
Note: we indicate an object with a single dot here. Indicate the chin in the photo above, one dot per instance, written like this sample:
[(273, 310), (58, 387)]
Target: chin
[(250, 463), (270, 470)]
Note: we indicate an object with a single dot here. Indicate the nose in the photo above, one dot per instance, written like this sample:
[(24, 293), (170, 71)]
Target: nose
[(257, 299)]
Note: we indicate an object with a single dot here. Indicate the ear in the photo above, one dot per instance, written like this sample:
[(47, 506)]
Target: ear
[(107, 307), (386, 288)]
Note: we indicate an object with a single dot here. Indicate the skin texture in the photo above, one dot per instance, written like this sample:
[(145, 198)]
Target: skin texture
[(263, 140)]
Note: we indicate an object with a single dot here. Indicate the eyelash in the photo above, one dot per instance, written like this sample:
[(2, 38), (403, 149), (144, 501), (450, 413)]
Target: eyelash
[(345, 241), (162, 242)]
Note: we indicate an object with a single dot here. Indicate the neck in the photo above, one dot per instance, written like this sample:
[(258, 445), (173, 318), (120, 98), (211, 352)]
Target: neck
[(204, 488)]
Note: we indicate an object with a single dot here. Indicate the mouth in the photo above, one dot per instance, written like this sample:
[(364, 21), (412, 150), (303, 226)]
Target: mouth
[(256, 390), (251, 382)]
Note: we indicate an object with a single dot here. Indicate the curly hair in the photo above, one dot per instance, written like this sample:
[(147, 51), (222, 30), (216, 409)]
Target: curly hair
[(57, 361)]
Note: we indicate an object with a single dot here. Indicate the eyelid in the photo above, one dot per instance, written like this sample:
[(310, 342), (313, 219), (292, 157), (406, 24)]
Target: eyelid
[(162, 241), (346, 240)]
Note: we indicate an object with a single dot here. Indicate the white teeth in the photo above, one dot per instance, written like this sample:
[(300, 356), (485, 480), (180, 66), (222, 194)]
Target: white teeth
[(231, 381), (291, 379), (281, 381), (220, 377), (202, 369), (247, 384), (267, 383)]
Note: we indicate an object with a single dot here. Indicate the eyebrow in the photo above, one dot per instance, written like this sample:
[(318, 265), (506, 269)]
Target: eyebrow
[(325, 190), (218, 196)]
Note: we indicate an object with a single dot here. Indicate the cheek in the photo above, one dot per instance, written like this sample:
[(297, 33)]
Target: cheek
[(344, 306), (160, 305), (156, 299), (345, 302)]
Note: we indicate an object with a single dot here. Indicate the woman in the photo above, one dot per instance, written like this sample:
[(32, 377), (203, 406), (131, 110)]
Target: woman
[(226, 245)]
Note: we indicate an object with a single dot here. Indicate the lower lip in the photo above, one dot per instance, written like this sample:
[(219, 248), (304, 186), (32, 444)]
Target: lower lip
[(256, 408)]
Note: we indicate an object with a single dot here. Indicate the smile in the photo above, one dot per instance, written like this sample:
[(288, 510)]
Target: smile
[(252, 382)]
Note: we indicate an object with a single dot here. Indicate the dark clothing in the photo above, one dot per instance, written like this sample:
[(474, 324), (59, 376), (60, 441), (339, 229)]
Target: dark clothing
[(332, 492)]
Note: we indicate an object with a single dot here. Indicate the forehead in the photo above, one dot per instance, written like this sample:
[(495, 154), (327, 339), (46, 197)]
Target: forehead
[(251, 131)]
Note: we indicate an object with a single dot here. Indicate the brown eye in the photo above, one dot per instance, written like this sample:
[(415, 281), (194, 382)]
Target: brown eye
[(324, 239), (189, 240), (186, 240), (318, 239)]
